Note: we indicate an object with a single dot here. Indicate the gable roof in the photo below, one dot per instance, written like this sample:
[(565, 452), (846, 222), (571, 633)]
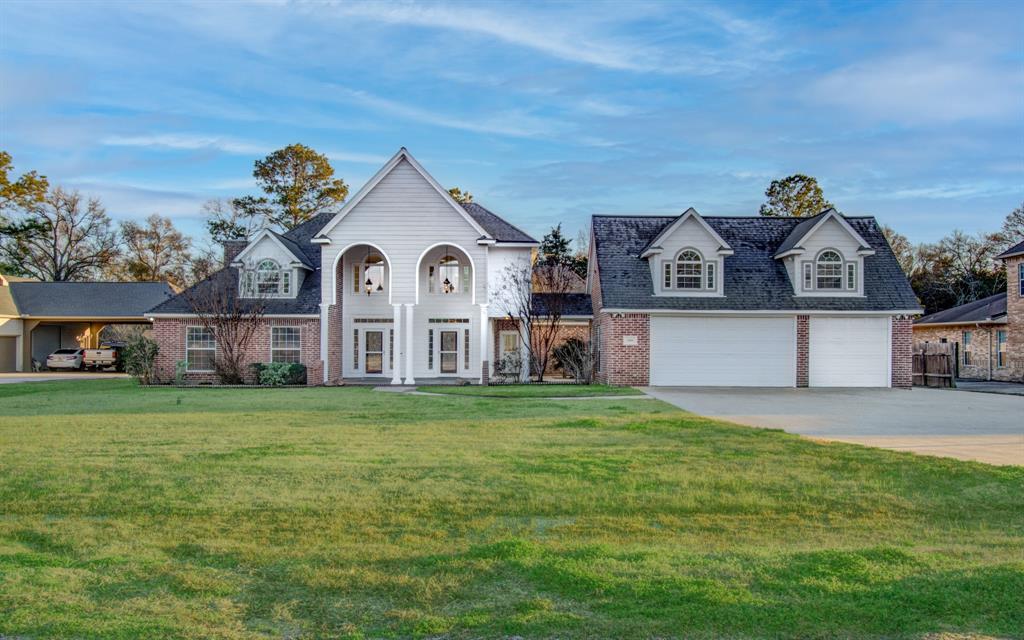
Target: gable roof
[(88, 299), (306, 300), (987, 310), (808, 226), (497, 227), (287, 245), (654, 245), (753, 279), (402, 154), (1015, 250)]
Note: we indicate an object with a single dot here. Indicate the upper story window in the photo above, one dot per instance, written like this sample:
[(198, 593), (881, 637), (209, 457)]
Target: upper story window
[(448, 276), (829, 270), (689, 272), (268, 279)]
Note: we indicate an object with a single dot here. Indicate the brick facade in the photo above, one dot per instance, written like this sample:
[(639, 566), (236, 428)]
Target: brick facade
[(170, 335), (902, 355), (565, 332), (803, 348), (625, 364), (335, 337), (1014, 369)]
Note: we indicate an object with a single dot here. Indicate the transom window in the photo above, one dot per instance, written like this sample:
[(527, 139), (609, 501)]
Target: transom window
[(268, 279), (689, 272), (200, 349), (829, 270), (285, 345)]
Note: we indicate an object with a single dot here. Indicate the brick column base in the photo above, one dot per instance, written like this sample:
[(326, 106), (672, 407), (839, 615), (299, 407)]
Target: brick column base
[(485, 373), (902, 352)]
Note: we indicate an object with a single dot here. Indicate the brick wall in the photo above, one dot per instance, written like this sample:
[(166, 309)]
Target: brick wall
[(169, 333), (621, 364), (981, 365), (803, 349), (335, 330), (902, 355), (1014, 370), (565, 332)]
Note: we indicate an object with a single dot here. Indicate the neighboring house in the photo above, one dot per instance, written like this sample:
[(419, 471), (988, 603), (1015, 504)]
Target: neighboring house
[(37, 318), (989, 333), (749, 301), (401, 284)]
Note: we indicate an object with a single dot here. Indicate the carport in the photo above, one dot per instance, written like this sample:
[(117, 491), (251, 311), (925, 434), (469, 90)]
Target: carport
[(42, 317)]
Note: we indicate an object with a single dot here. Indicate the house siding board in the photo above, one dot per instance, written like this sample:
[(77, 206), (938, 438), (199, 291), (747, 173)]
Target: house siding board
[(753, 279), (690, 234), (169, 333)]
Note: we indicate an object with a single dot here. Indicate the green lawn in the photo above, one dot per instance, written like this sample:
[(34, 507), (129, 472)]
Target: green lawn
[(535, 390), (327, 513)]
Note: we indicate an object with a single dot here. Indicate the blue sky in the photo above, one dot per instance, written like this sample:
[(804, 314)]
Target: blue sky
[(545, 112)]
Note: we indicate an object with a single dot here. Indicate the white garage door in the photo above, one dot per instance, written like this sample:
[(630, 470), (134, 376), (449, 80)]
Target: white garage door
[(727, 352), (849, 352)]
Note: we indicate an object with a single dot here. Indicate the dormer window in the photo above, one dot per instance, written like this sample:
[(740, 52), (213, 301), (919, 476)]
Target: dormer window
[(829, 270), (267, 280), (689, 272)]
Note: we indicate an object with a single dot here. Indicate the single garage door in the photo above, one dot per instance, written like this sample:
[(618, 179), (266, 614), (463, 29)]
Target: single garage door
[(849, 352), (723, 352), (8, 354)]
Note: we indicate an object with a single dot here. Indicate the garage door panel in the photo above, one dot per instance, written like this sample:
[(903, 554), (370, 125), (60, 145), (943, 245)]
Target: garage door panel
[(849, 352), (721, 351)]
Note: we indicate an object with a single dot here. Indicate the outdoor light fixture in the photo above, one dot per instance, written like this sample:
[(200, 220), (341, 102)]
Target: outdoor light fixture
[(368, 283), (447, 283)]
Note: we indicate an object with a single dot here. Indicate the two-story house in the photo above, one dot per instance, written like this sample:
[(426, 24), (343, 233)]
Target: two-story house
[(405, 284), (401, 284), (749, 301), (989, 333)]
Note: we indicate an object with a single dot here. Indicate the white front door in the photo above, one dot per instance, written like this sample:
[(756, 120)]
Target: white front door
[(448, 351), (375, 347), (723, 351), (849, 352), (373, 351)]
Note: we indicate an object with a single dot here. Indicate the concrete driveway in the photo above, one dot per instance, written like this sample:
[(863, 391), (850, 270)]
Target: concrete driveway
[(49, 376), (939, 422)]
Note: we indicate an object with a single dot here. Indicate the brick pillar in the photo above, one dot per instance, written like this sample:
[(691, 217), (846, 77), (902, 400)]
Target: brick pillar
[(628, 353), (334, 343), (902, 355), (803, 350)]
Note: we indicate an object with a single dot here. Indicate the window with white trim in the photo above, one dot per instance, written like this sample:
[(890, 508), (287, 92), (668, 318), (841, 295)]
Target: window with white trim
[(851, 276), (268, 280), (200, 349), (1000, 348), (966, 344), (689, 270), (829, 270), (285, 344)]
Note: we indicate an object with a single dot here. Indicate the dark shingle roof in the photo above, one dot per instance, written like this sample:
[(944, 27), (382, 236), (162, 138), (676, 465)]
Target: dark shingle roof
[(88, 299), (753, 278), (500, 230), (306, 301), (992, 308), (294, 249), (798, 233), (1015, 250), (574, 304)]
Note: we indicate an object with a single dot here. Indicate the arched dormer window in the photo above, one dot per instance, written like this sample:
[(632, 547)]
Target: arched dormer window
[(689, 270), (828, 270), (267, 279)]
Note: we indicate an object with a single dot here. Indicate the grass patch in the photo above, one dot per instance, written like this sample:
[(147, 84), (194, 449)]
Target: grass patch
[(334, 513), (534, 390)]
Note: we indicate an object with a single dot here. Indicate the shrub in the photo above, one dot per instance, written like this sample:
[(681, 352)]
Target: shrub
[(574, 358), (139, 357), (180, 369), (276, 374)]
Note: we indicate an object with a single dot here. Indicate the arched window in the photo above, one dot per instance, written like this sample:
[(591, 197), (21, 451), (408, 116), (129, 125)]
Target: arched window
[(373, 274), (271, 280), (689, 270), (829, 270)]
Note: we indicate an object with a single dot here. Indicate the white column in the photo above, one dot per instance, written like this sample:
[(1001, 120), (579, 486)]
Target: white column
[(396, 357), (410, 348), (484, 322)]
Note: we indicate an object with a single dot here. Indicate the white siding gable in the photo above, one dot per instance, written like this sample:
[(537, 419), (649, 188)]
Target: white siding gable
[(691, 234), (830, 235), (404, 215), (266, 248)]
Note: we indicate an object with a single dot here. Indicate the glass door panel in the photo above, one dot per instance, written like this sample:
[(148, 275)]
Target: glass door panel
[(374, 351), (449, 352)]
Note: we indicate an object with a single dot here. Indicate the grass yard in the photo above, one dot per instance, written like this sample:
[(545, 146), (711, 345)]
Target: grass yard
[(534, 390), (333, 513)]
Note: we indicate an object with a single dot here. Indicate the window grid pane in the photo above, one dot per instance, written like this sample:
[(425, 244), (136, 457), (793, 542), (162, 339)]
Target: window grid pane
[(465, 348), (668, 275), (200, 349), (851, 276), (355, 349), (430, 349), (711, 275), (391, 349)]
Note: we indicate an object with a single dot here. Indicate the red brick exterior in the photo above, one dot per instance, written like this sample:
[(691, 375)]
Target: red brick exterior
[(1014, 369), (902, 352), (335, 337), (565, 332), (169, 333), (803, 349), (622, 364)]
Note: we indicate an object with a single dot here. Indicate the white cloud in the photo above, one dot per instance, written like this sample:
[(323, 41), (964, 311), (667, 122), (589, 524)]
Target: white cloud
[(924, 88), (195, 142)]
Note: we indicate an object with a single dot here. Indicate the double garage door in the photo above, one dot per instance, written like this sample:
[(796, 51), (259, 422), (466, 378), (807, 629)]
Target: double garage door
[(761, 352)]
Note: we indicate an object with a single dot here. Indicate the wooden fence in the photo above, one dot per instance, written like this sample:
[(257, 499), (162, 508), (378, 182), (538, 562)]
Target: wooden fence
[(935, 364)]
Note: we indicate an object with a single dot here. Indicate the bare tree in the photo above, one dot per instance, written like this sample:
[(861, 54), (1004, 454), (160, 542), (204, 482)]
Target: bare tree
[(537, 316), (232, 320), (73, 240), (153, 252)]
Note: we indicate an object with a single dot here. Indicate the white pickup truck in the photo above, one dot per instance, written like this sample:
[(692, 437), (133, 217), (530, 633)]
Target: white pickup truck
[(108, 355)]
